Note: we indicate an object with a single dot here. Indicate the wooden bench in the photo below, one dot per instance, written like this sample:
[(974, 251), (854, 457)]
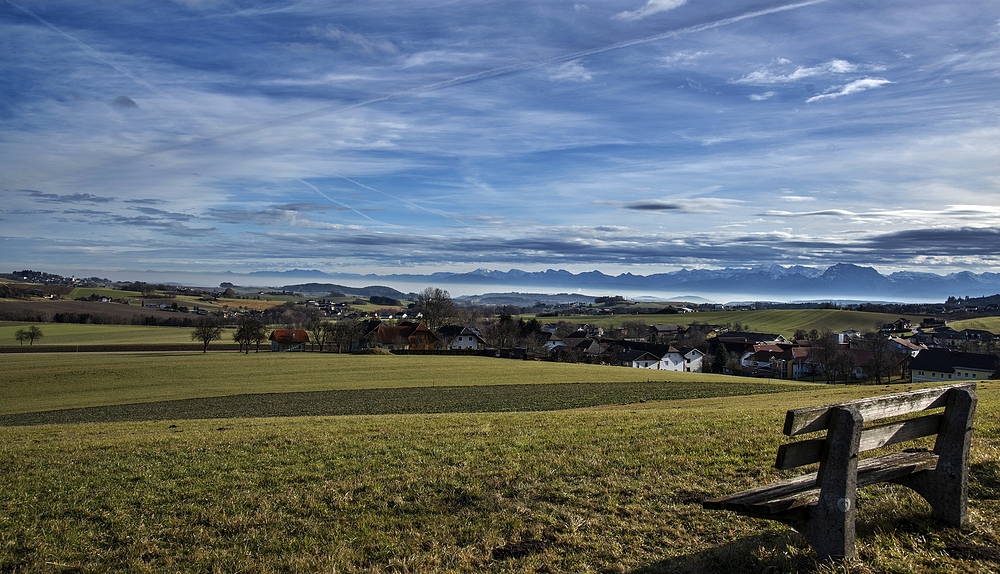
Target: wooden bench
[(822, 506)]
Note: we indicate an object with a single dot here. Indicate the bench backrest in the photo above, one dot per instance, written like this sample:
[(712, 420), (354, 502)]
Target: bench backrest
[(813, 419)]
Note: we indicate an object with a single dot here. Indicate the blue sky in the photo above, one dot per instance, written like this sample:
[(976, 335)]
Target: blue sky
[(200, 136)]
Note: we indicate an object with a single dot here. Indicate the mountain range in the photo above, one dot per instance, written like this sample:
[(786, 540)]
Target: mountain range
[(840, 281)]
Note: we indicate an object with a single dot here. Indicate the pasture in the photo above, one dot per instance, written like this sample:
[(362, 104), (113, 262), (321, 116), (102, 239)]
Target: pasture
[(33, 382), (780, 321), (88, 334), (991, 324), (605, 489)]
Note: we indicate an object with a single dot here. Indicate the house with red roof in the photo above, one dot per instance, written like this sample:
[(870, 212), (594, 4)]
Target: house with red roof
[(288, 340)]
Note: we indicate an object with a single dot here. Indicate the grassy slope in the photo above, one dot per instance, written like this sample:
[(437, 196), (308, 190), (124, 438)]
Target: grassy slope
[(784, 322), (75, 334), (35, 382), (991, 324), (594, 490), (102, 292)]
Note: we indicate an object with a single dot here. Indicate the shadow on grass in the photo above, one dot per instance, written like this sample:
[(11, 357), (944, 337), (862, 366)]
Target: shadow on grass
[(769, 552), (984, 480)]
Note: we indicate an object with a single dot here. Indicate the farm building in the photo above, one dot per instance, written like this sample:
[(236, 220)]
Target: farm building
[(404, 336), (288, 340), (936, 365)]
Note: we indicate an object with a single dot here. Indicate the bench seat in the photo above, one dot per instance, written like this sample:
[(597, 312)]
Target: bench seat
[(822, 506), (794, 495)]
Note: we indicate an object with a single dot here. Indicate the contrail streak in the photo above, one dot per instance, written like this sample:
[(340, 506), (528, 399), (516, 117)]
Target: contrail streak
[(487, 74), (402, 200), (92, 52), (331, 200)]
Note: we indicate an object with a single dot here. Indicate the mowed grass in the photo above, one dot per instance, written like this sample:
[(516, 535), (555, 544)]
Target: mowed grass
[(779, 321), (613, 489), (86, 334), (38, 382)]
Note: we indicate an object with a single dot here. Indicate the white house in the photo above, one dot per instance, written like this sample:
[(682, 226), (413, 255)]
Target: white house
[(469, 338)]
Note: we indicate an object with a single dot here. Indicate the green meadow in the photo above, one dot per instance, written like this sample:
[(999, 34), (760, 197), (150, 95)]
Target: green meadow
[(780, 321), (86, 334), (991, 324), (612, 488), (36, 382)]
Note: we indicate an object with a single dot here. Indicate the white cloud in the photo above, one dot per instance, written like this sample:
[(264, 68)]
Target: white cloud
[(854, 87), (355, 40), (770, 75), (684, 57), (761, 97), (651, 7), (571, 72)]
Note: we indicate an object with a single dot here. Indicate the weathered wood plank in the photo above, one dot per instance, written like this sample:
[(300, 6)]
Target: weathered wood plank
[(788, 495), (801, 453), (812, 419), (892, 433)]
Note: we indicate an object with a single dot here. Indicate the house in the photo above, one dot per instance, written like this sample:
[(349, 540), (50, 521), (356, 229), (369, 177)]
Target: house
[(288, 340), (404, 336), (553, 342), (936, 365), (905, 346), (669, 357), (668, 330), (639, 359), (694, 359), (468, 338)]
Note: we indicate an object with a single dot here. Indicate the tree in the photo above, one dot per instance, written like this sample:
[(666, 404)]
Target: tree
[(249, 331), (720, 359), (206, 330), (825, 349), (436, 306), (881, 355), (29, 335), (636, 330), (343, 333), (501, 332), (319, 332)]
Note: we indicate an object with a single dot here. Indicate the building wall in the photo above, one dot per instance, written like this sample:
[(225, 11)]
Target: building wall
[(960, 374)]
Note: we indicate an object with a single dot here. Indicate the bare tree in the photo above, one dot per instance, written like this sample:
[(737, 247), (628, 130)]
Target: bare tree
[(319, 332), (825, 349), (343, 333), (248, 332), (881, 355), (436, 306), (501, 332), (206, 330), (29, 335), (636, 330)]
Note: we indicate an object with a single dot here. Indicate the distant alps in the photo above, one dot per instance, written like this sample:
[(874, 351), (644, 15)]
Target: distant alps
[(773, 282)]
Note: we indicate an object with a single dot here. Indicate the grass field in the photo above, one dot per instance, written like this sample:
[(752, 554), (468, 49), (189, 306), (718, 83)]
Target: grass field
[(780, 321), (103, 292), (35, 382), (86, 334), (608, 490), (991, 324)]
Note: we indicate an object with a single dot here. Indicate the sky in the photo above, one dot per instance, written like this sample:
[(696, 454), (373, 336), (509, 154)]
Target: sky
[(642, 136)]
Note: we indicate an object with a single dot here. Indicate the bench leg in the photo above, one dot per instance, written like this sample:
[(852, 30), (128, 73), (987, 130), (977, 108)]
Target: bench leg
[(830, 529), (947, 487)]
